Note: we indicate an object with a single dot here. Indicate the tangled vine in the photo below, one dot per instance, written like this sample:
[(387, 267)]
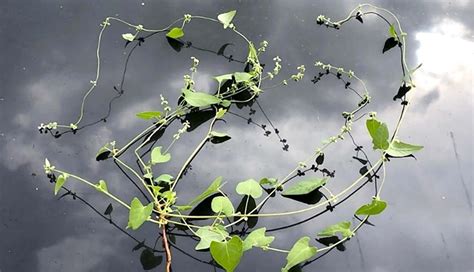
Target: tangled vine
[(225, 242)]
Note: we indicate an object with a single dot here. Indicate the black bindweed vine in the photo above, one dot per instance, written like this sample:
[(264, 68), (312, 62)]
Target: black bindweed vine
[(229, 231)]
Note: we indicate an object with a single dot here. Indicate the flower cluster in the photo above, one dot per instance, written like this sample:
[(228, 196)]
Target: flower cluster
[(276, 69), (105, 23), (187, 18), (188, 81), (48, 168), (299, 76), (263, 46), (165, 104), (195, 64), (182, 130), (45, 128)]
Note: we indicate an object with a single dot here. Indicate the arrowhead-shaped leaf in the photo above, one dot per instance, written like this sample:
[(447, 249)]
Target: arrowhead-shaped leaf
[(343, 227), (175, 33), (401, 149), (198, 99), (379, 133), (147, 115), (304, 187), (209, 234), (101, 186), (375, 207), (60, 182), (257, 238), (212, 189), (103, 153), (226, 18), (300, 252)]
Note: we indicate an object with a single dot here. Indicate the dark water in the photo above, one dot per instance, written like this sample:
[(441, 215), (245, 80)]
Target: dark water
[(48, 58)]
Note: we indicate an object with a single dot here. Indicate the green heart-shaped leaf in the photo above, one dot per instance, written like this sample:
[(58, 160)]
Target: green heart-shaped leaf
[(227, 254), (158, 157), (222, 204), (249, 187), (138, 213)]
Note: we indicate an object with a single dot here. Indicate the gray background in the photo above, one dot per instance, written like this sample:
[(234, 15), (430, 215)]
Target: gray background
[(48, 57)]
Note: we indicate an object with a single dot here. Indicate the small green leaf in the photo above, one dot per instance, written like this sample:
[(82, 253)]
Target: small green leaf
[(128, 37), (103, 153), (158, 157), (257, 238), (220, 113), (252, 57), (227, 254), (304, 187), (222, 78), (392, 32), (101, 186), (60, 182), (343, 227), (218, 137), (272, 182), (242, 77), (175, 33), (249, 187), (198, 99), (209, 234), (225, 103), (377, 206), (165, 178), (379, 133), (211, 189), (222, 204), (138, 213), (401, 149), (147, 115), (300, 252), (226, 18)]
